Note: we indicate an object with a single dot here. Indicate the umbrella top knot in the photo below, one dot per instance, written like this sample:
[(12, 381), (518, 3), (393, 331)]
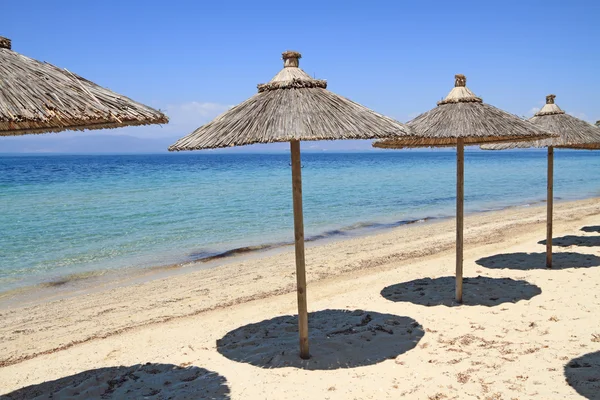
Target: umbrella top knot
[(291, 76), (290, 58), (5, 43), (460, 93), (549, 108)]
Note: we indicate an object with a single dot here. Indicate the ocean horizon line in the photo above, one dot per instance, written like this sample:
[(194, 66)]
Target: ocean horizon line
[(240, 150)]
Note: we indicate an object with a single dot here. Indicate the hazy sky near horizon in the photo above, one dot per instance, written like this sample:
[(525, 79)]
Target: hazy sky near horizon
[(194, 59)]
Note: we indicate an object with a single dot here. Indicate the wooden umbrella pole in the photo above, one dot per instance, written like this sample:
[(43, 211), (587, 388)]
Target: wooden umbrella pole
[(460, 188), (549, 206), (299, 241)]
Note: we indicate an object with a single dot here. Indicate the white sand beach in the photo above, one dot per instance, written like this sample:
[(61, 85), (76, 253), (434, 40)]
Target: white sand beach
[(383, 324)]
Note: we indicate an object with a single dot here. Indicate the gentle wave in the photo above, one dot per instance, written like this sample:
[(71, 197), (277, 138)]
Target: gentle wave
[(207, 255)]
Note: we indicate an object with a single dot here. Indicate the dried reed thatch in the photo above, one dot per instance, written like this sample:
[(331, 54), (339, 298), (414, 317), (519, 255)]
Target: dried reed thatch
[(462, 115), (292, 106), (37, 97), (572, 132)]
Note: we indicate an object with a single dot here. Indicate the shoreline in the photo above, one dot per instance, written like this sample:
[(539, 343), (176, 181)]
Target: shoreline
[(73, 284), (519, 319), (259, 276), (91, 282)]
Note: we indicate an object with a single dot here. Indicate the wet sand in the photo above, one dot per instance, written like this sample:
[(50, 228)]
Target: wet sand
[(385, 325)]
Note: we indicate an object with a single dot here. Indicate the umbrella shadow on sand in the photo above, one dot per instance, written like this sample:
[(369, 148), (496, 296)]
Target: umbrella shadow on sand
[(571, 240), (479, 291), (151, 381), (530, 261), (591, 229), (338, 339), (583, 375)]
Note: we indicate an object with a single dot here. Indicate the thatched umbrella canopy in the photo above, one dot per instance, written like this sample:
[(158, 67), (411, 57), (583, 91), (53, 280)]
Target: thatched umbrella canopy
[(37, 97), (572, 133), (463, 118), (290, 108)]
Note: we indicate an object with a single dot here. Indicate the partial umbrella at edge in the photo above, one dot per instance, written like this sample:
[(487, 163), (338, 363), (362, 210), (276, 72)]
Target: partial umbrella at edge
[(290, 108), (37, 97), (463, 118), (572, 133)]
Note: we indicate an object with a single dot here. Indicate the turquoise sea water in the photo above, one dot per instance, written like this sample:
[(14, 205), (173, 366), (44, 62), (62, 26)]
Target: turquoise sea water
[(63, 215)]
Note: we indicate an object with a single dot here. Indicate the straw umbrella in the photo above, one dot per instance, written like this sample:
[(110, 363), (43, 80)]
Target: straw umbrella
[(573, 133), (290, 108), (37, 97), (463, 118)]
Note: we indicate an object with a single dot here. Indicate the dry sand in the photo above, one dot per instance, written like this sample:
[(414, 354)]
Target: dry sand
[(383, 323)]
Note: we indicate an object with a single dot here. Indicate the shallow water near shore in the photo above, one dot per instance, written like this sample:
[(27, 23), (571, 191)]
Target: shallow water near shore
[(75, 217)]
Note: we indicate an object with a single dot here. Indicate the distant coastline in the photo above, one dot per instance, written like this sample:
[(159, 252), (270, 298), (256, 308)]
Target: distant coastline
[(111, 144)]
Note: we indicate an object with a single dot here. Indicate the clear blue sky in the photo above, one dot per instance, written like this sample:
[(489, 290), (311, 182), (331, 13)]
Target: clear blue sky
[(195, 58)]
